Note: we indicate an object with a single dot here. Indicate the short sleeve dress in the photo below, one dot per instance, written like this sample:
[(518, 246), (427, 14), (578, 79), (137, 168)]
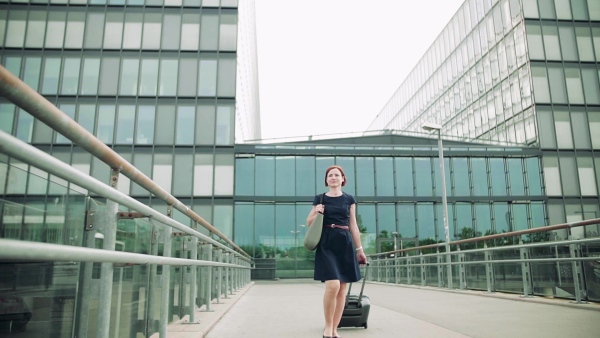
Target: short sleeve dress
[(335, 258)]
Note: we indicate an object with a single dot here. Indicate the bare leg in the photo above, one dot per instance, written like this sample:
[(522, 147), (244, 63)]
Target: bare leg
[(340, 301), (332, 288)]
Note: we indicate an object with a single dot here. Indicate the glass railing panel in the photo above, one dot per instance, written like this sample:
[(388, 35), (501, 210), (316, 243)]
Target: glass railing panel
[(545, 276), (475, 273), (39, 298), (507, 275), (432, 271), (591, 271)]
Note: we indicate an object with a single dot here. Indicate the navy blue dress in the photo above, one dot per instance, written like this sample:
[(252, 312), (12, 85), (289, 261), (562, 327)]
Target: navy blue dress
[(335, 257)]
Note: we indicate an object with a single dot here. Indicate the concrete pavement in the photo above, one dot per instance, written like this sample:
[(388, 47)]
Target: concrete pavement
[(292, 308)]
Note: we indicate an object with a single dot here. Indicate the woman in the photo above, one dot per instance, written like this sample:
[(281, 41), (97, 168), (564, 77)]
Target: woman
[(336, 260)]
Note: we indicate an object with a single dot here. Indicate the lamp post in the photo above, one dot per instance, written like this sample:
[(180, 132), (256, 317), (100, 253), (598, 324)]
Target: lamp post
[(437, 127), (295, 232)]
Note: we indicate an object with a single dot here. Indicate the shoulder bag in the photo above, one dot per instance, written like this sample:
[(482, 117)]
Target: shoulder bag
[(313, 234)]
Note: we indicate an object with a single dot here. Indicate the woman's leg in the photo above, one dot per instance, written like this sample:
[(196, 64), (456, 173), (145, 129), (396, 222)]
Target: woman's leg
[(332, 288), (340, 302)]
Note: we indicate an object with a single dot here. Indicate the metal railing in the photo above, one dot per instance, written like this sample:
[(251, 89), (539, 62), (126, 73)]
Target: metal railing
[(208, 269), (540, 265)]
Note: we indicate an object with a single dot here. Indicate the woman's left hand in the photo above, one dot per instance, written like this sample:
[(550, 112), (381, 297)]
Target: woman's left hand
[(362, 259)]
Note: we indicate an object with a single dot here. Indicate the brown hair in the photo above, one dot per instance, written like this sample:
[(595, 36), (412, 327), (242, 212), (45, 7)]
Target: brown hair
[(338, 168)]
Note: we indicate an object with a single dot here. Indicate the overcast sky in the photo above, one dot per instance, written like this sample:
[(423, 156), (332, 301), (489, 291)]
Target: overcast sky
[(329, 66)]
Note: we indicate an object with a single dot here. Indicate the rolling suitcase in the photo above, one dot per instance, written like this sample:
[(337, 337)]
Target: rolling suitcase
[(356, 311)]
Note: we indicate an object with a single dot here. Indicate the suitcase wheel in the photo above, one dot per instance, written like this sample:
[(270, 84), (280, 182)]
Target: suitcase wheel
[(365, 325)]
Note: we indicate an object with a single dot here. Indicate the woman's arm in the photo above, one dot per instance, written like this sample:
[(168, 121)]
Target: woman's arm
[(356, 235), (312, 215)]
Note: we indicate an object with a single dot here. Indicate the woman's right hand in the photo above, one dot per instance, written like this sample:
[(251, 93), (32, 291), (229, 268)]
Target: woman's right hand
[(320, 208)]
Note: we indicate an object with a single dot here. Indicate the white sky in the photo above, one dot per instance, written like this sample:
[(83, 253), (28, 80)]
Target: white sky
[(329, 66)]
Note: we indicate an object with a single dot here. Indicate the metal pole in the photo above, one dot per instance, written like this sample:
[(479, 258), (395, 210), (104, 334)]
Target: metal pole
[(165, 289), (445, 206), (193, 277)]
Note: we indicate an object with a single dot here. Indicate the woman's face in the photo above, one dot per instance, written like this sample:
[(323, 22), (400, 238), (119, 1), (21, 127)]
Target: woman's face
[(335, 178)]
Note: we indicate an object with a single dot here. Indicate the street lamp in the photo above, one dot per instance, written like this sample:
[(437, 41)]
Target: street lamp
[(295, 232), (428, 126)]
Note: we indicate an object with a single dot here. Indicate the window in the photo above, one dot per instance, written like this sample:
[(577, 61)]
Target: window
[(55, 31), (423, 181), (203, 174), (384, 167), (404, 176), (562, 122), (162, 171), (551, 176), (129, 77), (125, 124), (145, 125), (185, 125)]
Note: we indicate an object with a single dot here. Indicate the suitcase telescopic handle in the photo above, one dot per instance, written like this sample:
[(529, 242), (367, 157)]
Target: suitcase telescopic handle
[(362, 288)]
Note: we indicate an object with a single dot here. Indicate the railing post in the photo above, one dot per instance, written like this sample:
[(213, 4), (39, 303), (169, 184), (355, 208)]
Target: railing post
[(397, 270), (575, 251), (152, 319), (193, 276), (228, 290), (209, 276), (165, 284), (440, 268), (409, 272), (219, 275), (108, 225), (423, 271), (461, 270), (525, 269), (489, 270)]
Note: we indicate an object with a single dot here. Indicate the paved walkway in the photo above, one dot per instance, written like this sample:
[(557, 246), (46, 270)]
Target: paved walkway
[(292, 308)]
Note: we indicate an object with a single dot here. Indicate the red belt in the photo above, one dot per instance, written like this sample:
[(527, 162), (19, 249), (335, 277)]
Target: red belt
[(343, 227)]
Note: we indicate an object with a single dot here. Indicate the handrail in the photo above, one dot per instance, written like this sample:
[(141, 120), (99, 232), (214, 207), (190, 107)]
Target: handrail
[(496, 236), (37, 251), (31, 155), (19, 93)]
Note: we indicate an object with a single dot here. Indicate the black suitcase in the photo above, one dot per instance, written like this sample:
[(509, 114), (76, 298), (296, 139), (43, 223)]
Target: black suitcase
[(356, 311)]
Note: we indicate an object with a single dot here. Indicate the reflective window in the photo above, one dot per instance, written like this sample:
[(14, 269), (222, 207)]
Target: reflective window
[(480, 177), (36, 29), (228, 32), (552, 176), (594, 119), (109, 77), (168, 77), (520, 220), (90, 76), (423, 184), (203, 175), (562, 123), (284, 172), (464, 219), (106, 123), (568, 43), (563, 9), (515, 174), (171, 30), (185, 125), (148, 77), (129, 77), (501, 217), (557, 84), (15, 29), (426, 221), (587, 178), (205, 124), (265, 171), (162, 170), (132, 32), (347, 163), (580, 10), (384, 167), (244, 168), (590, 85), (580, 131), (86, 116), (225, 125), (207, 78), (406, 220), (244, 226), (209, 27), (386, 218), (286, 233), (70, 76), (483, 218), (264, 230), (534, 176), (305, 176), (460, 172), (113, 30), (74, 30), (574, 88), (568, 175), (145, 125), (125, 124), (404, 176), (226, 76), (51, 75), (188, 68), (365, 217), (551, 45), (540, 84), (7, 116), (365, 176), (165, 121), (31, 75), (24, 126), (152, 31), (190, 32), (538, 214), (546, 128), (183, 166), (498, 177), (94, 37), (55, 31)]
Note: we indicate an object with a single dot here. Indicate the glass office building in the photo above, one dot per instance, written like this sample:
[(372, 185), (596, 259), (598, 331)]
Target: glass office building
[(519, 71)]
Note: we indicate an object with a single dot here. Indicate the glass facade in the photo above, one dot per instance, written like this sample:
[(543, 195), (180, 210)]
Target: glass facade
[(490, 190), (525, 72)]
